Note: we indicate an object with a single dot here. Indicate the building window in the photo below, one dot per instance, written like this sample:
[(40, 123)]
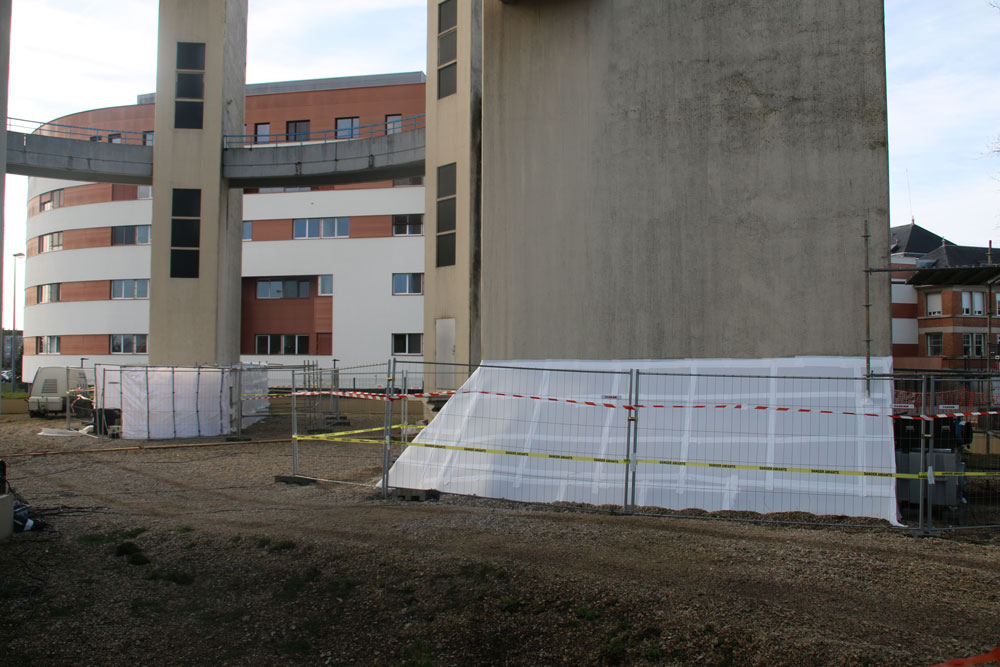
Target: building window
[(934, 344), (147, 138), (261, 133), (130, 235), (47, 345), (144, 192), (130, 289), (185, 232), (50, 242), (348, 128), (393, 123), (282, 344), (447, 74), (321, 228), (973, 345), (189, 86), (409, 225), (48, 293), (972, 303), (407, 283), (326, 285), (128, 343), (283, 289), (933, 303), (50, 200), (115, 138), (248, 230), (407, 343), (446, 204), (297, 130)]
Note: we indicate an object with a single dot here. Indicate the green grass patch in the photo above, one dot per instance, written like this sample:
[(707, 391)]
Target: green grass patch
[(283, 545), (509, 605), (585, 613), (183, 529)]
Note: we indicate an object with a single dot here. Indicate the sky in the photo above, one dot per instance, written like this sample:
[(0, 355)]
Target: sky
[(941, 66)]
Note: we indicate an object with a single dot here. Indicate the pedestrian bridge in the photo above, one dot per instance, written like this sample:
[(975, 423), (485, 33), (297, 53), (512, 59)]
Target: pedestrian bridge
[(369, 153)]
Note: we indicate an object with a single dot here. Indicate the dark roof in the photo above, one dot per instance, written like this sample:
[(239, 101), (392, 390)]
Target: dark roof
[(956, 265), (956, 255), (912, 239)]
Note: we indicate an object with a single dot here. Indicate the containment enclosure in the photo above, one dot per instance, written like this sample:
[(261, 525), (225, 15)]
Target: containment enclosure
[(161, 402), (806, 434)]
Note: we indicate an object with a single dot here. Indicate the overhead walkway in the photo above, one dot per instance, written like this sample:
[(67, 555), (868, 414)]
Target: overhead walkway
[(384, 151)]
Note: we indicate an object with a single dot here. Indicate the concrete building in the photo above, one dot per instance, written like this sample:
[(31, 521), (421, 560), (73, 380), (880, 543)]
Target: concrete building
[(328, 271), (657, 179)]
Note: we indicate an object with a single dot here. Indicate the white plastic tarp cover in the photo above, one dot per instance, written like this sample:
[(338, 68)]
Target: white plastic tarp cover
[(771, 418), (254, 389), (167, 402)]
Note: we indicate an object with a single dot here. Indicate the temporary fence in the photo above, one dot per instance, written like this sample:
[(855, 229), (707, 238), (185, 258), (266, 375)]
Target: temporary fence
[(782, 439)]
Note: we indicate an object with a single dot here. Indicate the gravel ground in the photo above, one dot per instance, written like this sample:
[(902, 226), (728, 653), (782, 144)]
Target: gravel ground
[(197, 556)]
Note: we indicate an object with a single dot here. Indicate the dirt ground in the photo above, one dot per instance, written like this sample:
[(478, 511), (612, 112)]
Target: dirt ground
[(197, 556)]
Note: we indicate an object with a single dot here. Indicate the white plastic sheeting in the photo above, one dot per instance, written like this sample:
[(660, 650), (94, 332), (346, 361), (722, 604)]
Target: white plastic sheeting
[(162, 402), (771, 418)]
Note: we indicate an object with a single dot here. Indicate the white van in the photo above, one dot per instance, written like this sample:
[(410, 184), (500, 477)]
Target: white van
[(48, 389)]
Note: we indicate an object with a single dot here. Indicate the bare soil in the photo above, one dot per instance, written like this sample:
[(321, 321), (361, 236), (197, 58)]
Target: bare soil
[(197, 556)]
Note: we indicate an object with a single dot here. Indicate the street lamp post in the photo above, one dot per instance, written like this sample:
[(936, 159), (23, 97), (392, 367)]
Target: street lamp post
[(13, 329)]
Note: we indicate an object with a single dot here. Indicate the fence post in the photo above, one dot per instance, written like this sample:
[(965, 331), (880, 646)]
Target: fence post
[(629, 427), (929, 469), (295, 432), (67, 385), (387, 447), (921, 482), (634, 464), (239, 400)]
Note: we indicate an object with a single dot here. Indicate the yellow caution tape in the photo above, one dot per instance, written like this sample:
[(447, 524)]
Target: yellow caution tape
[(339, 437)]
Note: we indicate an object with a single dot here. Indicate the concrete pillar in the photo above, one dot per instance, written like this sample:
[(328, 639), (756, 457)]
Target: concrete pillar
[(452, 185), (196, 249), (4, 76)]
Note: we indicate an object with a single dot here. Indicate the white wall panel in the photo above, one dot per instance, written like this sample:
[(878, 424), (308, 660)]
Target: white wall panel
[(381, 201), (904, 331), (87, 317), (903, 293), (88, 216), (365, 312), (111, 262)]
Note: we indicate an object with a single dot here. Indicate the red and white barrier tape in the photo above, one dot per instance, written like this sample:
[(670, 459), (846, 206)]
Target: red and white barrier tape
[(599, 404)]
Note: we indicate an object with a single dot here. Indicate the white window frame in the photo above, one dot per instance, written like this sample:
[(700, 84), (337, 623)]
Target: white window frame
[(48, 293), (405, 221), (933, 303), (408, 343), (320, 228), (299, 341), (48, 345), (131, 341), (130, 288), (938, 344), (325, 290), (407, 284), (393, 123)]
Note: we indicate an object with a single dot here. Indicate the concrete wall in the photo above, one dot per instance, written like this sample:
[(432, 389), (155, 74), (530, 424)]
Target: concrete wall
[(453, 135), (196, 320), (682, 179)]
